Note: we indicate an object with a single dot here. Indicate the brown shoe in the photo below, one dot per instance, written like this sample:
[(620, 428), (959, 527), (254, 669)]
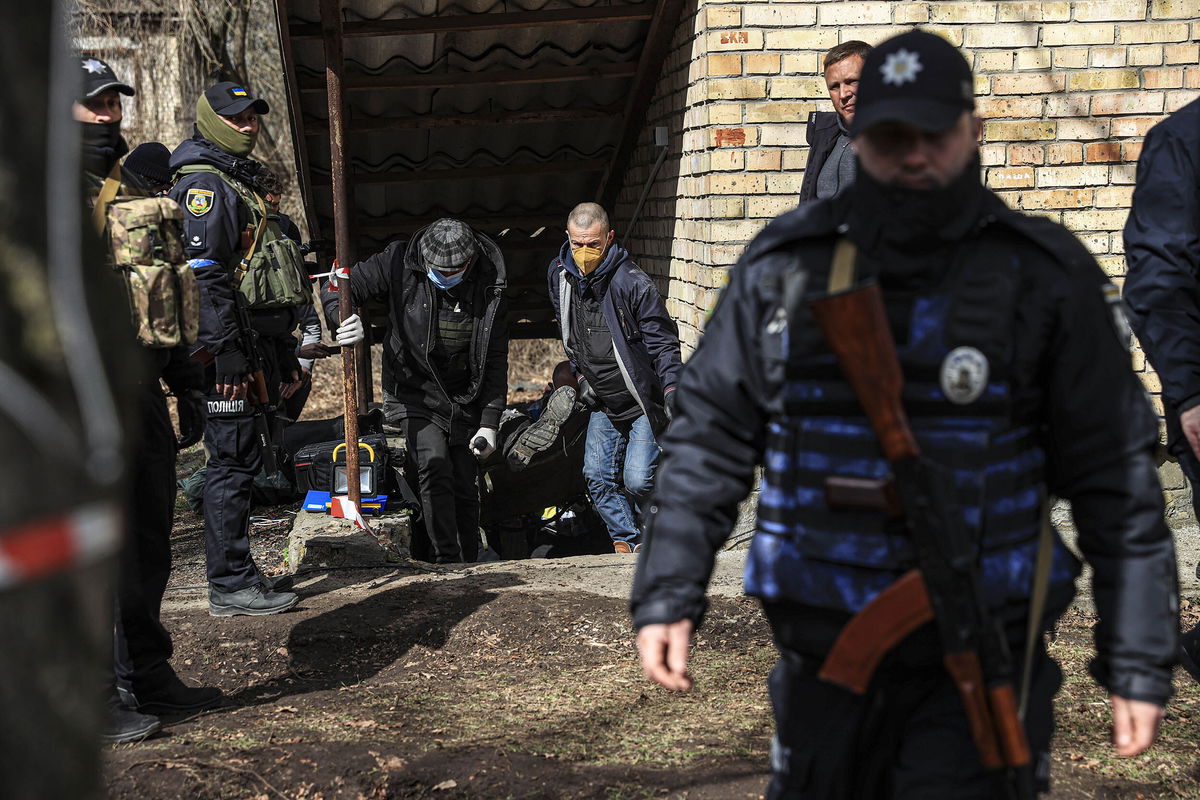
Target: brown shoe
[(637, 548), (622, 547)]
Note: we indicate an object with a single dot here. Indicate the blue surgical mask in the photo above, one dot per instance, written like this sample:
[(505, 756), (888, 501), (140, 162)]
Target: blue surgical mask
[(441, 280)]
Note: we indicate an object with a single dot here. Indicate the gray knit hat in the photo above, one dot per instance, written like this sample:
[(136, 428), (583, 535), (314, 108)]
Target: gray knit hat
[(448, 244)]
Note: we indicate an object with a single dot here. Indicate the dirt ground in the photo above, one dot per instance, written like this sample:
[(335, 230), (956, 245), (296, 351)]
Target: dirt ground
[(518, 680)]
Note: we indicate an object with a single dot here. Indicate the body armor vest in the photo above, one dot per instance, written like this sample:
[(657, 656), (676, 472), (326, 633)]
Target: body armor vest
[(954, 342)]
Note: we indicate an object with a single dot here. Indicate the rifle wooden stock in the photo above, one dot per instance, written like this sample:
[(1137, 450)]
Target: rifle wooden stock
[(873, 632), (857, 331)]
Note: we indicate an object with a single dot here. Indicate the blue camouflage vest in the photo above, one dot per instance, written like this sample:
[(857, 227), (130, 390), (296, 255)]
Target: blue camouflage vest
[(952, 339)]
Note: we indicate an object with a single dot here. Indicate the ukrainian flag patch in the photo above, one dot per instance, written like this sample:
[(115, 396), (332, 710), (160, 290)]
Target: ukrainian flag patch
[(238, 91), (199, 201)]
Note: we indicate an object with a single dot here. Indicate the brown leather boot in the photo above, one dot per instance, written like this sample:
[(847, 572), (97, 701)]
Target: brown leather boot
[(622, 547)]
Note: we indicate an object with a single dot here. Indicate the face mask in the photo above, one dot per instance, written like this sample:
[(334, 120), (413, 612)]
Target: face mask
[(214, 128), (587, 258), (442, 281)]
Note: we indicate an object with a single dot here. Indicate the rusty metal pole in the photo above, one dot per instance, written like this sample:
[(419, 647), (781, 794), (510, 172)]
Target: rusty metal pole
[(331, 33)]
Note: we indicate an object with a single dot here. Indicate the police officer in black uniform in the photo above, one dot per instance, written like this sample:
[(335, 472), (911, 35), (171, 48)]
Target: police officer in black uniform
[(223, 227), (1162, 248), (1016, 375), (146, 685)]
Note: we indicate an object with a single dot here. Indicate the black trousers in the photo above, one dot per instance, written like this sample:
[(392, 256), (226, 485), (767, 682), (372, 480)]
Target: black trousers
[(232, 446), (142, 646), (907, 738), (448, 488)]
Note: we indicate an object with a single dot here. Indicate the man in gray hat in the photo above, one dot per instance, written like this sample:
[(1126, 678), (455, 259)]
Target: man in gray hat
[(1010, 359), (445, 365)]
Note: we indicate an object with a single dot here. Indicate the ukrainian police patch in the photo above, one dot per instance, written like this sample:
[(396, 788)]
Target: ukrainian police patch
[(199, 201), (1116, 307)]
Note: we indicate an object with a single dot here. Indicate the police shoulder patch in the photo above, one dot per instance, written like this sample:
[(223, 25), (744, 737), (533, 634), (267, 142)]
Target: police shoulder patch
[(199, 201)]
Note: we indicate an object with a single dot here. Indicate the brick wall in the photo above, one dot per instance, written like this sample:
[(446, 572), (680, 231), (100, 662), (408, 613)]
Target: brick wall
[(1067, 90)]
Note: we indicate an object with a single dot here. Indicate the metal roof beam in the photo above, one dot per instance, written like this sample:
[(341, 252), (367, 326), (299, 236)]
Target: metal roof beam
[(474, 173), (654, 53), (509, 77), (423, 122), (481, 22), (491, 225)]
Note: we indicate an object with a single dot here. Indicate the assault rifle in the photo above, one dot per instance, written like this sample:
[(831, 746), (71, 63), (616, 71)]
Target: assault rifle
[(945, 585), (256, 382)]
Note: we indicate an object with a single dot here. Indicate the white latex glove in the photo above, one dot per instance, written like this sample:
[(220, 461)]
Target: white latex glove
[(350, 332), (489, 436)]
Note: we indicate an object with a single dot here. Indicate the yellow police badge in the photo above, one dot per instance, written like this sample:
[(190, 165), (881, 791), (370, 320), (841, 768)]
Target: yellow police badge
[(199, 201)]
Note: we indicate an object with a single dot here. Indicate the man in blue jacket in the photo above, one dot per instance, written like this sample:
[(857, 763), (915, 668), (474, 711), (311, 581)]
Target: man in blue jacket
[(625, 348), (1162, 247)]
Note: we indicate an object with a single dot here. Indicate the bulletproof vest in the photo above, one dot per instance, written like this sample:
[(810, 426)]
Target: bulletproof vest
[(954, 342), (272, 273), (145, 245)]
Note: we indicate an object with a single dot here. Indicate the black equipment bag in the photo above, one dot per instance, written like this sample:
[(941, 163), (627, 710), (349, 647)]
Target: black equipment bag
[(317, 464)]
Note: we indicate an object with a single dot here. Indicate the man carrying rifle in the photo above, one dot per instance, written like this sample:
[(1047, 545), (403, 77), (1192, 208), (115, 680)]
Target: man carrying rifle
[(917, 368), (250, 287)]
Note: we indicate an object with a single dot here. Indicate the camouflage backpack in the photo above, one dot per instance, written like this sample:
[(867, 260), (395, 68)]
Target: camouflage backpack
[(146, 247)]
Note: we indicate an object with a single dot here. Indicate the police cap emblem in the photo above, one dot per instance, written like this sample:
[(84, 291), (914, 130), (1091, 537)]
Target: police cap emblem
[(199, 201), (964, 375)]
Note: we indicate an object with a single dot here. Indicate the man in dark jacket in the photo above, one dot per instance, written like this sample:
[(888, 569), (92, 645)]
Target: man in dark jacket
[(625, 347), (144, 685), (1162, 247), (830, 167), (1016, 378), (248, 273), (445, 365)]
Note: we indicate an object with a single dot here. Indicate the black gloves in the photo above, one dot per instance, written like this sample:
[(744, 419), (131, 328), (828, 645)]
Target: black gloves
[(586, 396), (231, 366), (191, 409)]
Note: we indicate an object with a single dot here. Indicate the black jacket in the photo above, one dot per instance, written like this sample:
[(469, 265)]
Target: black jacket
[(645, 338), (821, 133), (1162, 250), (1071, 378), (397, 277)]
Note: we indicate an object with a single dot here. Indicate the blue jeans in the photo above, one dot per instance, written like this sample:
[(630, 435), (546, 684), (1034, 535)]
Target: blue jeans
[(618, 463)]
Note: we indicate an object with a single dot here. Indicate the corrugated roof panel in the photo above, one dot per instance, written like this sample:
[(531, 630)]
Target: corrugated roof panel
[(507, 123)]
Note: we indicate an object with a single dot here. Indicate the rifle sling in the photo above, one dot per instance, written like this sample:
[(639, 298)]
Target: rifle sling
[(1037, 602), (108, 193)]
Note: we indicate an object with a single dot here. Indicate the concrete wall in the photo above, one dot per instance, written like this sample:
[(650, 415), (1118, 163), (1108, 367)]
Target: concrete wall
[(1067, 90)]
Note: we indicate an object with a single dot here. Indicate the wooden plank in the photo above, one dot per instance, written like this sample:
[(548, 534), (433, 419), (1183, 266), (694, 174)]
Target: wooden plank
[(509, 77), (318, 127), (473, 173), (482, 22), (654, 53)]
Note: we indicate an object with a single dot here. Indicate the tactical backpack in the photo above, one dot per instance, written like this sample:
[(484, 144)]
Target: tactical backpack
[(146, 246), (271, 273)]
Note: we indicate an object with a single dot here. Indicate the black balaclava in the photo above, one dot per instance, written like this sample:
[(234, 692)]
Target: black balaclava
[(910, 223), (103, 146)]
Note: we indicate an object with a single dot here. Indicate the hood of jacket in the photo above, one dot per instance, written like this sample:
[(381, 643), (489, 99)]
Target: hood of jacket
[(489, 249), (599, 277), (198, 150)]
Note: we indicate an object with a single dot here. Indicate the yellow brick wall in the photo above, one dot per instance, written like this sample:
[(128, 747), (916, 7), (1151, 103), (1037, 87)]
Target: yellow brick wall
[(1067, 90)]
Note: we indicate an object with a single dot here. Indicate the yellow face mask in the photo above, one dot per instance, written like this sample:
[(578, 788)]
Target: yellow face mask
[(587, 258)]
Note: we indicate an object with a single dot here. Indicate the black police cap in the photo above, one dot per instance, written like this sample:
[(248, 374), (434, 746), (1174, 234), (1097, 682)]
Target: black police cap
[(228, 98), (916, 78), (98, 76)]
